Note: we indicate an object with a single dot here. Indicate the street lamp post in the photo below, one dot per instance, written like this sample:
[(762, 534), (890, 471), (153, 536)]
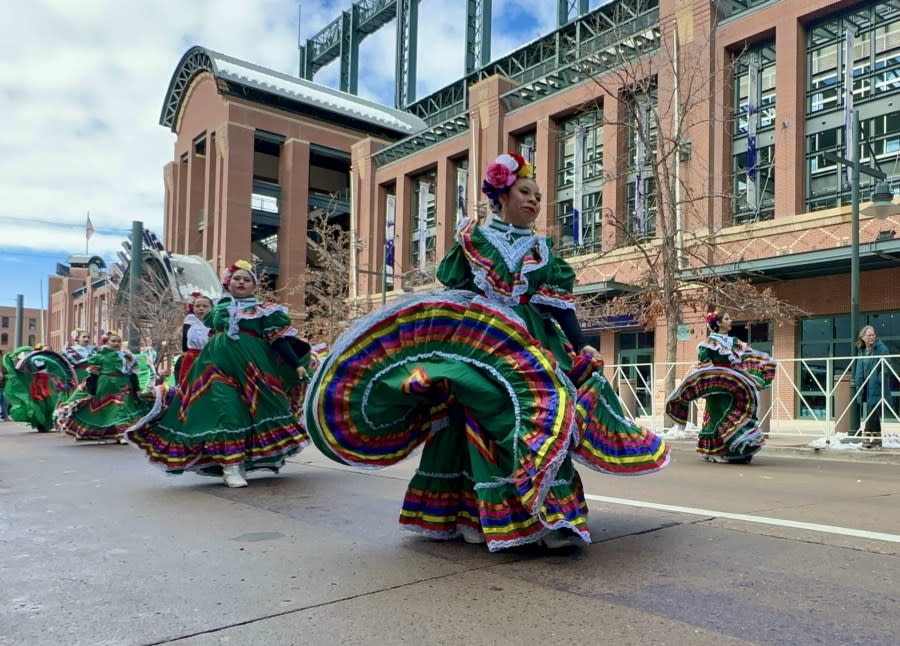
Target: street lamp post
[(882, 207)]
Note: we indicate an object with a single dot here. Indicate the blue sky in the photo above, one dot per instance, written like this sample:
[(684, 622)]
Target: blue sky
[(82, 84)]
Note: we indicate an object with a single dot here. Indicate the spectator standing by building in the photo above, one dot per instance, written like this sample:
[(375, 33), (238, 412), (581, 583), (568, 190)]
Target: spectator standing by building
[(869, 384)]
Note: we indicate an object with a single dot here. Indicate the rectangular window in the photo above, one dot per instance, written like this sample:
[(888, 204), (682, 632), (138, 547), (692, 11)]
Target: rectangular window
[(635, 356), (641, 140), (390, 234), (200, 145), (463, 199), (5, 321), (761, 189), (829, 337), (641, 208), (853, 60), (423, 222), (753, 139), (526, 144), (579, 184), (32, 324)]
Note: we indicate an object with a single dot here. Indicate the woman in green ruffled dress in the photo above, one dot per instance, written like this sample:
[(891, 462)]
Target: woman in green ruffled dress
[(38, 379), (110, 401), (238, 410), (729, 376), (17, 387), (492, 379)]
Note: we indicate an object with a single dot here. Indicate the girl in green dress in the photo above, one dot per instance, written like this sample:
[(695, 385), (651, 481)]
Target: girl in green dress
[(110, 400), (729, 375), (237, 411), (78, 351), (492, 379)]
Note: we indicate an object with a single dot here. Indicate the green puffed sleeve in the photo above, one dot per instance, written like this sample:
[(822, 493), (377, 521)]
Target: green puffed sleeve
[(560, 275), (454, 271), (275, 324), (96, 359)]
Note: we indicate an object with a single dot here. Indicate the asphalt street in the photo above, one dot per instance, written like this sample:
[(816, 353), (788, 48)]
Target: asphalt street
[(100, 548)]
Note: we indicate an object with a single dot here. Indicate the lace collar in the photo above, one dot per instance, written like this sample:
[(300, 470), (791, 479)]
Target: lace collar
[(508, 229)]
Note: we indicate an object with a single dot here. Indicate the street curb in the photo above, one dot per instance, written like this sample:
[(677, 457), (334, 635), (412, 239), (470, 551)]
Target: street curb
[(880, 456)]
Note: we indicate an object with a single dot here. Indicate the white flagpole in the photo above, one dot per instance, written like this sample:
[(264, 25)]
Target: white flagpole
[(43, 313)]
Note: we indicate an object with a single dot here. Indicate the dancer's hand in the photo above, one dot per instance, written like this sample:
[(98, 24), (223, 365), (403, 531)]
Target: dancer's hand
[(592, 352), (301, 373)]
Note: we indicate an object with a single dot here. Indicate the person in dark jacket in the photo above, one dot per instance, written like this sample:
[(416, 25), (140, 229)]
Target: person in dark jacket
[(870, 384)]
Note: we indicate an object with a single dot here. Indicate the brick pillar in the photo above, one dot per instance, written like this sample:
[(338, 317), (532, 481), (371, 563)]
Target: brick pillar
[(403, 217), (445, 206), (615, 161), (181, 187), (545, 142), (235, 223), (790, 107), (170, 205), (211, 193), (368, 218), (293, 175), (486, 113), (196, 200)]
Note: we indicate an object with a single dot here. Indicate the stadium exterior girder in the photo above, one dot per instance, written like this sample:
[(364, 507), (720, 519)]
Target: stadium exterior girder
[(575, 52), (342, 36)]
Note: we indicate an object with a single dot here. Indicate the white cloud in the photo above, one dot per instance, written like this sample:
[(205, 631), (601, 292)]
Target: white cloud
[(64, 240)]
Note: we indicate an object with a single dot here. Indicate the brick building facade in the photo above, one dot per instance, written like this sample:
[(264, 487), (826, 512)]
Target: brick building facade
[(760, 92)]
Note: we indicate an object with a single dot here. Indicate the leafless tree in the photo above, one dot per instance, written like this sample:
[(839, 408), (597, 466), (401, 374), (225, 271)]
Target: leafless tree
[(155, 313), (663, 83), (325, 284)]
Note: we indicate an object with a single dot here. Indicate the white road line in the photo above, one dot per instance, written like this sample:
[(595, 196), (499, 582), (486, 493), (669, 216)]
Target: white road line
[(763, 520)]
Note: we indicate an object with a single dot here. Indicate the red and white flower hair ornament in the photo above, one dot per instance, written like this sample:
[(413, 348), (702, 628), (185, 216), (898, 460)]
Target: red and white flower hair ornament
[(503, 173)]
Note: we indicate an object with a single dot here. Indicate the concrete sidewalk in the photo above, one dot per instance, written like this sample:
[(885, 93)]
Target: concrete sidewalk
[(799, 447)]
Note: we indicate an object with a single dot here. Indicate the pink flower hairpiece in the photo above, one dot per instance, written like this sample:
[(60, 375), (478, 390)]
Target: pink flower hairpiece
[(712, 317)]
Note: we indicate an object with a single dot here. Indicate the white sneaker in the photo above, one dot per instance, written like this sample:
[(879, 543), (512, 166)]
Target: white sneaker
[(232, 476)]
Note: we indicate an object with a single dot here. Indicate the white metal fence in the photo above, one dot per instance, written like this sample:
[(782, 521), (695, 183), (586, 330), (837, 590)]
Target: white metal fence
[(809, 398)]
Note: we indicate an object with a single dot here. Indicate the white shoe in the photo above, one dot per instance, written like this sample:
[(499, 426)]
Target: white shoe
[(472, 536), (556, 540), (232, 476)]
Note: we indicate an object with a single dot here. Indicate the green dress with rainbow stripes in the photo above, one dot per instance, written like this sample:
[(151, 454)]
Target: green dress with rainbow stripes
[(240, 404), (114, 404), (729, 375), (490, 389)]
